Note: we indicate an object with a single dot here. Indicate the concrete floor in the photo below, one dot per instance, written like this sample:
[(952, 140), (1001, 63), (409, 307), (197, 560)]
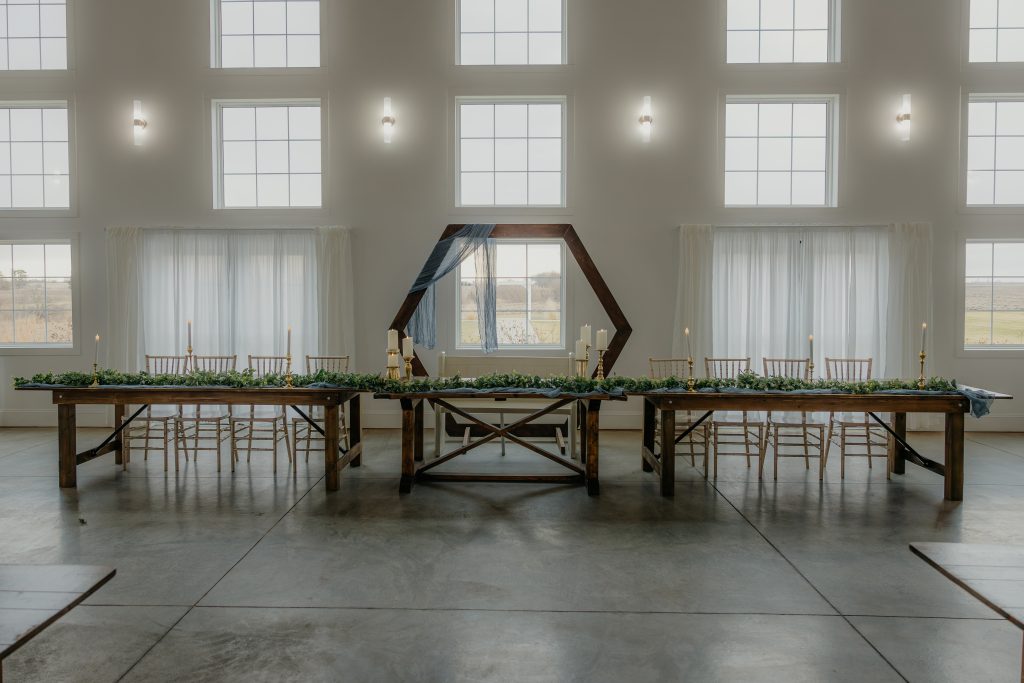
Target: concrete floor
[(253, 577)]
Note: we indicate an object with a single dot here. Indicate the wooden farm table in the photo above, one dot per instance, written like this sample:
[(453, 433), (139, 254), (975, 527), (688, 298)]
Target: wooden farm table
[(952, 405), (34, 596), (412, 404), (68, 399)]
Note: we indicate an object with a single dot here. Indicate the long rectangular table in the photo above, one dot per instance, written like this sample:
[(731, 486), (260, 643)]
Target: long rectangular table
[(412, 403), (704, 404), (67, 400)]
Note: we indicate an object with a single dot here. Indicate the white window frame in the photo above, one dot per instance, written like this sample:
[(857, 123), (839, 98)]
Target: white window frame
[(49, 211), (965, 127), (36, 349), (215, 47), (68, 46), (979, 350), (457, 153), (508, 348), (458, 43), (218, 151), (835, 30), (832, 136)]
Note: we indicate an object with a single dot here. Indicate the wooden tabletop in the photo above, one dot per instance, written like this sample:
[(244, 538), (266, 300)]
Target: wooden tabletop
[(992, 573), (499, 395), (34, 596), (189, 395)]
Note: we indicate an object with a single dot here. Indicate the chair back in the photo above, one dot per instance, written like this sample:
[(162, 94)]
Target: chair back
[(848, 369), (795, 368), (475, 366), (215, 363), (660, 368), (725, 368), (335, 364), (166, 365), (268, 365)]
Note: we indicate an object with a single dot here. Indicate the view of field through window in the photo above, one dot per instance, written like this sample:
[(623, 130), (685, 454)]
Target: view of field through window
[(530, 296), (994, 294), (35, 294)]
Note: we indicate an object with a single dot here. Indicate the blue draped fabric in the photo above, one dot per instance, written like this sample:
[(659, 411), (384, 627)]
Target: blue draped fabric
[(446, 256)]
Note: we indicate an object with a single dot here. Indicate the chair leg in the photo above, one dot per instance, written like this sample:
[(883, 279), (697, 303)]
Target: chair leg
[(775, 447), (807, 454), (842, 452), (716, 454)]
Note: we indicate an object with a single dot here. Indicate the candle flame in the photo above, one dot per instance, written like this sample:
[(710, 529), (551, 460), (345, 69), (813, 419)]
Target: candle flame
[(97, 337), (686, 331), (810, 337)]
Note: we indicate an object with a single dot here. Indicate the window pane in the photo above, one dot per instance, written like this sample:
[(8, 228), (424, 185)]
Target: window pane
[(29, 260), (512, 295), (477, 189), (546, 294), (1010, 118), (58, 293), (268, 34), (511, 260), (509, 155), (1008, 328), (477, 16), (979, 259), (775, 119), (33, 35), (776, 14), (981, 153), (984, 13), (774, 154), (545, 15), (305, 189), (545, 189), (511, 189), (511, 31), (510, 15), (1009, 187), (980, 187), (304, 17), (743, 14), (810, 46), (29, 327), (58, 260), (981, 118), (773, 189), (1009, 260), (545, 259), (811, 14), (741, 120), (511, 48), (741, 154), (809, 154), (477, 48), (740, 189), (743, 47), (477, 155), (545, 48), (58, 327), (776, 46)]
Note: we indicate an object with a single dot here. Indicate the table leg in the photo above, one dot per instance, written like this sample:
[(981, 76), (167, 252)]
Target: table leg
[(668, 452), (418, 418), (954, 456), (896, 454), (408, 446), (650, 425), (118, 419), (593, 415), (355, 429), (67, 445), (331, 443)]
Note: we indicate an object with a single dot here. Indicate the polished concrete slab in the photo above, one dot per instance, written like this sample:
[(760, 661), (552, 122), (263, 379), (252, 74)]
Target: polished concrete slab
[(256, 576)]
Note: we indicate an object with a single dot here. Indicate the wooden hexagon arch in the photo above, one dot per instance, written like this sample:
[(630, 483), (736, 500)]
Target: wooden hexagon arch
[(566, 233)]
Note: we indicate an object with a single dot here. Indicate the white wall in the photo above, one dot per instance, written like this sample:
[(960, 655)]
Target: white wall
[(625, 198)]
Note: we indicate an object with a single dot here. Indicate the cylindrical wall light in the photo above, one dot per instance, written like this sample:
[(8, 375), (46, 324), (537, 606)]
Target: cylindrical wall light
[(388, 121), (139, 122), (903, 119), (646, 119)]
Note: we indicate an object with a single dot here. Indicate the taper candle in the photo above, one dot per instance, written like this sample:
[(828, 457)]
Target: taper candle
[(924, 335), (190, 334), (393, 340), (689, 349), (810, 343), (96, 358), (289, 347), (602, 340), (407, 347)]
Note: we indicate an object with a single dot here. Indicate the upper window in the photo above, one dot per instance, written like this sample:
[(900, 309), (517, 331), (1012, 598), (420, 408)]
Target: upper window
[(266, 33), (782, 31), (33, 35), (530, 292), (35, 294), (34, 167), (267, 154), (511, 32), (997, 31), (994, 295), (995, 150), (511, 152), (780, 151)]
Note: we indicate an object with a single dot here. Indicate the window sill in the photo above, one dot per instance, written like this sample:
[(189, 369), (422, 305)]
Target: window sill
[(991, 353)]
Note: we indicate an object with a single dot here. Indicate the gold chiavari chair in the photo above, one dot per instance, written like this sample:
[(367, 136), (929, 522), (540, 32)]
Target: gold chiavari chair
[(303, 434), (205, 425), (856, 429), (155, 427), (697, 442), (258, 424), (795, 430), (735, 429)]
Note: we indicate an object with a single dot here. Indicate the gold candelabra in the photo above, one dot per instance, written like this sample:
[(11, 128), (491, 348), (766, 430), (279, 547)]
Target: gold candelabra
[(393, 365), (921, 381), (691, 383), (600, 364), (288, 371), (583, 364), (408, 368), (95, 375), (190, 360)]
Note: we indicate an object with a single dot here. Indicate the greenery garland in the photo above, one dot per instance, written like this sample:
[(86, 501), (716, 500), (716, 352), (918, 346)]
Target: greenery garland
[(571, 385)]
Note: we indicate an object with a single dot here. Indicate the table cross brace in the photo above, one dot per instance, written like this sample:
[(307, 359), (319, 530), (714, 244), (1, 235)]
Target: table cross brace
[(106, 446), (909, 453), (692, 427), (317, 427)]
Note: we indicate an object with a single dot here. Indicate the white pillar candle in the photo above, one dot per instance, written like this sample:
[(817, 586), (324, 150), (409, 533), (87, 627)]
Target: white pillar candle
[(602, 340), (407, 347), (581, 350), (392, 360), (289, 347), (924, 335), (96, 358), (586, 335), (393, 340)]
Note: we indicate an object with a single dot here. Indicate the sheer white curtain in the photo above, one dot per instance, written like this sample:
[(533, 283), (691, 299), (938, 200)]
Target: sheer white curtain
[(861, 291), (693, 292), (241, 289)]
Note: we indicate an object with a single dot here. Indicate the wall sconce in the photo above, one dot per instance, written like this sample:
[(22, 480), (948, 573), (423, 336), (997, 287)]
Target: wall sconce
[(388, 122), (139, 122), (646, 119), (903, 119)]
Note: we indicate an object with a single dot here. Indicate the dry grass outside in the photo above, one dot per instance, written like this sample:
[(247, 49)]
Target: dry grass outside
[(1001, 328)]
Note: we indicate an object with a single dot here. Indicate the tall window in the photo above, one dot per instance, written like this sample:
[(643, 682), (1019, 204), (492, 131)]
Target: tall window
[(35, 294), (33, 35), (995, 150), (782, 31), (996, 31), (994, 294), (266, 33), (511, 32), (268, 154), (530, 288), (511, 152), (34, 161), (780, 151)]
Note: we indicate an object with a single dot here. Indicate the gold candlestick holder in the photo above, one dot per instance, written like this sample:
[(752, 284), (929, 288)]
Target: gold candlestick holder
[(691, 383), (393, 365), (408, 368), (810, 370), (190, 360), (600, 364), (288, 371), (921, 381), (95, 375)]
